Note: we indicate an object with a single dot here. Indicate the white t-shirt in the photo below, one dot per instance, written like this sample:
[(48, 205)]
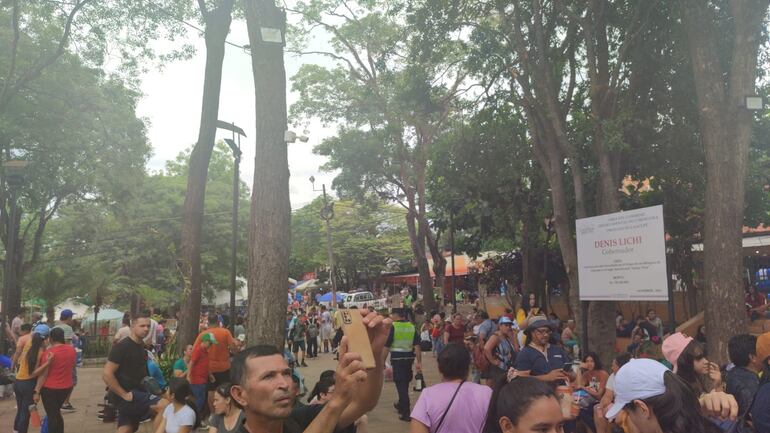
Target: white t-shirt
[(174, 420), (326, 318), (122, 333), (16, 326), (611, 382), (150, 338)]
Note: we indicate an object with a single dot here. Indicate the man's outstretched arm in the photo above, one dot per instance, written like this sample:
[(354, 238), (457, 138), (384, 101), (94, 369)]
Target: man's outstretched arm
[(368, 392)]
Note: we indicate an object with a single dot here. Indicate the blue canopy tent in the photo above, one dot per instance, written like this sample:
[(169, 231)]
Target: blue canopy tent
[(328, 297)]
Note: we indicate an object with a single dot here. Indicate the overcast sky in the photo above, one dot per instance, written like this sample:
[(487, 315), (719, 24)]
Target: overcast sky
[(172, 106)]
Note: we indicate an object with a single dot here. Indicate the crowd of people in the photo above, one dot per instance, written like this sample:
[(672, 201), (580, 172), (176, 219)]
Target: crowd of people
[(479, 358), (45, 362), (520, 372)]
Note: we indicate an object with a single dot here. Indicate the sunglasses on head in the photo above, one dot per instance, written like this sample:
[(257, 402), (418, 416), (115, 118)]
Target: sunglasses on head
[(224, 389)]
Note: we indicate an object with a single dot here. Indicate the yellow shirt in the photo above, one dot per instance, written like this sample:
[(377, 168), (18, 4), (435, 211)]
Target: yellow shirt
[(23, 373), (521, 316)]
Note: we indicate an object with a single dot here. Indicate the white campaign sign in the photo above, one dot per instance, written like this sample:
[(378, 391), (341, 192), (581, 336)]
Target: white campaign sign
[(622, 256)]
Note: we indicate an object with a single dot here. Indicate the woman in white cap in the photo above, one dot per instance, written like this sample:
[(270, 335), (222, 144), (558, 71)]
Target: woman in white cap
[(653, 399)]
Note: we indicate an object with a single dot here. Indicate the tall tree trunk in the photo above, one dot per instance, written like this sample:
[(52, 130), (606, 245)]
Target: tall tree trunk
[(532, 274), (423, 233), (14, 291), (563, 228), (551, 161), (269, 228), (417, 240), (217, 26), (725, 131), (601, 332), (19, 271), (437, 254)]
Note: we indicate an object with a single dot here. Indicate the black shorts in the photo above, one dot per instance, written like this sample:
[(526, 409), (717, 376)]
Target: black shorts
[(219, 379), (297, 345), (138, 409)]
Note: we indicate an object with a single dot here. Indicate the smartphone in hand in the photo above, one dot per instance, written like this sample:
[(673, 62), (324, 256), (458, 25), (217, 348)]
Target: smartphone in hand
[(358, 337)]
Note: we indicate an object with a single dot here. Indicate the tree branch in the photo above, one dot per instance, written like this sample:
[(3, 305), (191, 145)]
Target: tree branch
[(14, 50), (204, 10), (572, 81), (352, 50), (46, 61), (353, 70)]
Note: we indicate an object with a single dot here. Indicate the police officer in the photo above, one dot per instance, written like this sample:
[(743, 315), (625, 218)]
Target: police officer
[(404, 345)]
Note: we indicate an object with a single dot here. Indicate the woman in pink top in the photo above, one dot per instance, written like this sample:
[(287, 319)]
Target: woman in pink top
[(55, 383), (454, 405)]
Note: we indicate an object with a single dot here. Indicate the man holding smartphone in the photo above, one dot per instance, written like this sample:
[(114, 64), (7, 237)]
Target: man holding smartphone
[(539, 358)]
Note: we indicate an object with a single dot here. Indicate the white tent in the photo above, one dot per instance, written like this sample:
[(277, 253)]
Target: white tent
[(222, 297), (308, 284), (78, 308), (113, 318)]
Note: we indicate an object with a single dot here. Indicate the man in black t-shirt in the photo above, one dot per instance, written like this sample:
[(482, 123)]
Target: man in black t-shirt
[(262, 386), (123, 373)]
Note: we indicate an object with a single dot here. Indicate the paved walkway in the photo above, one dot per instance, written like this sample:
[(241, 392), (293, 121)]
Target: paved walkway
[(90, 390)]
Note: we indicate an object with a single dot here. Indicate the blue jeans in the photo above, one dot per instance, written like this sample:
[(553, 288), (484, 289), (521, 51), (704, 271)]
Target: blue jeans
[(23, 390), (438, 345), (199, 391)]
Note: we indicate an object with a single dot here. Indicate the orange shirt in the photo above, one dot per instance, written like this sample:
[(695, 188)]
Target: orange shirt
[(219, 354)]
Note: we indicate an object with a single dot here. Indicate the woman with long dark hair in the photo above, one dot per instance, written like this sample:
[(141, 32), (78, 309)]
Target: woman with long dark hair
[(655, 400), (528, 310), (55, 382), (181, 416), (26, 379), (594, 382), (523, 405), (228, 416), (689, 362), (322, 391)]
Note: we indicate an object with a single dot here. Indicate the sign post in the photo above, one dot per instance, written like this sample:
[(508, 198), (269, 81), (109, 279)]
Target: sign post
[(622, 256)]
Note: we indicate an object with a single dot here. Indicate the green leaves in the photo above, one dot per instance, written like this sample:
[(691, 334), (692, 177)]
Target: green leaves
[(136, 239), (365, 235)]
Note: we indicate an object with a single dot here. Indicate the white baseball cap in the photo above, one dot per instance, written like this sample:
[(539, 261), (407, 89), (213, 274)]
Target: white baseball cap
[(637, 380)]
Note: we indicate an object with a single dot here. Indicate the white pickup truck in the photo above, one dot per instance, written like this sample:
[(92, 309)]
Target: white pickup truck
[(364, 299)]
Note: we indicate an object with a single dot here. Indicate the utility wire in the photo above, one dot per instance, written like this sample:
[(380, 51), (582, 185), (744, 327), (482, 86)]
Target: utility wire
[(245, 48)]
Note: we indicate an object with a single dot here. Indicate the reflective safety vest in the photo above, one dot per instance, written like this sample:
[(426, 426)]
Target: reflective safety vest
[(408, 301), (403, 337)]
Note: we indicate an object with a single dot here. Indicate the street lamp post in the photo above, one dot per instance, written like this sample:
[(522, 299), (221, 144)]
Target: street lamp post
[(327, 213), (236, 148), (452, 247), (14, 177)]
